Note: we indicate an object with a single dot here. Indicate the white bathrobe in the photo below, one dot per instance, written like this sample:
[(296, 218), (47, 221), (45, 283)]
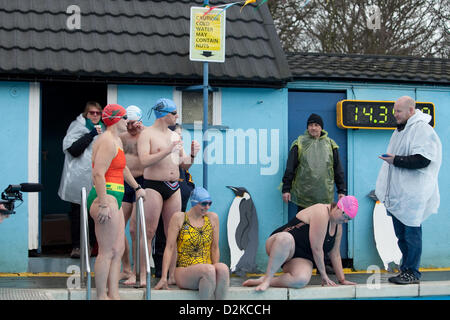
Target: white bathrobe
[(412, 195)]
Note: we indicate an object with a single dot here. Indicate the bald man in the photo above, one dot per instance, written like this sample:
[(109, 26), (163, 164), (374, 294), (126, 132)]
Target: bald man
[(407, 183)]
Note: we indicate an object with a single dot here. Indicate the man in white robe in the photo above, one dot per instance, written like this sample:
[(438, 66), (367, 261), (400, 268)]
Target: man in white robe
[(408, 183)]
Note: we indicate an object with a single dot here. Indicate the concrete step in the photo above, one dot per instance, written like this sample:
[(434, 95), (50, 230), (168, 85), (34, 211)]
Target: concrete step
[(311, 292)]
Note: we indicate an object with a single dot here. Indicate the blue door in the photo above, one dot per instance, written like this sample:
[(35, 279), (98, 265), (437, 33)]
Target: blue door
[(301, 105)]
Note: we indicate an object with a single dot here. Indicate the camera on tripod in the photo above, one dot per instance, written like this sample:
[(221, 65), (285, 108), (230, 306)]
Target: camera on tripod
[(14, 193)]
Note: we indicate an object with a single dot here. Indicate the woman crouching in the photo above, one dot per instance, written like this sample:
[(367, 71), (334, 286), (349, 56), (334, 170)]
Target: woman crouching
[(305, 240)]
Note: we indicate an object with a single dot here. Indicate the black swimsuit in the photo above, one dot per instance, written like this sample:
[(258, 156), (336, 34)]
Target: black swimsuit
[(300, 231), (165, 188)]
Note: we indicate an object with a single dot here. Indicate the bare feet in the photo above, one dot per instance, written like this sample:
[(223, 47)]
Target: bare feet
[(253, 282), (131, 281), (261, 283), (125, 275), (172, 280)]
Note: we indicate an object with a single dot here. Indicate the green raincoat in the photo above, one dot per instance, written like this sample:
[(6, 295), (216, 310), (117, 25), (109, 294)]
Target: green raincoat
[(314, 178)]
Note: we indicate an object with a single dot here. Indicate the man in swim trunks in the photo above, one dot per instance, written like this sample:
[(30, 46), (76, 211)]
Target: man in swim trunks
[(161, 152), (129, 139)]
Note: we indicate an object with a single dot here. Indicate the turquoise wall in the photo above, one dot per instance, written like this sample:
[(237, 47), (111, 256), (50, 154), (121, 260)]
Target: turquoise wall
[(364, 146), (14, 170), (259, 113)]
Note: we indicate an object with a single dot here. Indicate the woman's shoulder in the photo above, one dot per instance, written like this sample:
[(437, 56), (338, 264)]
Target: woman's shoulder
[(212, 216), (318, 210)]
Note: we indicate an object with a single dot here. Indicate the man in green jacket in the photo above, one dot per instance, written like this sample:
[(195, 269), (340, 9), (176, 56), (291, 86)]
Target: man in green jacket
[(313, 167)]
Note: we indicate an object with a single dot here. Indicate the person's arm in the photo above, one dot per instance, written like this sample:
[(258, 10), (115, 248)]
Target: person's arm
[(188, 160), (78, 147), (143, 148), (140, 192), (336, 261), (215, 252), (289, 173), (339, 176), (415, 161), (171, 244), (317, 231)]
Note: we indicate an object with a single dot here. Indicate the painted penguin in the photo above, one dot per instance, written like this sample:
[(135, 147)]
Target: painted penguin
[(242, 229), (384, 234)]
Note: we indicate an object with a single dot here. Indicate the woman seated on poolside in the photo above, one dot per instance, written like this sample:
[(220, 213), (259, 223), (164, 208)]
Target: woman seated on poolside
[(195, 236), (303, 242)]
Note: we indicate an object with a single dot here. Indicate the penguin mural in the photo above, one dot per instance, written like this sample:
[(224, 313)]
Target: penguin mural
[(242, 230)]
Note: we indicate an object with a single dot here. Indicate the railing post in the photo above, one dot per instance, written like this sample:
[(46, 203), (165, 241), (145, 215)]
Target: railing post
[(140, 213), (84, 240), (137, 254)]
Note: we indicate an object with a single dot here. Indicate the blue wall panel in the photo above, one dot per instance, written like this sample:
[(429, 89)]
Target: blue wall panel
[(14, 170)]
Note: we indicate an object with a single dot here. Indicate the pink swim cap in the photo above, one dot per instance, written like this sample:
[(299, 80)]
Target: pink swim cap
[(349, 204), (112, 114)]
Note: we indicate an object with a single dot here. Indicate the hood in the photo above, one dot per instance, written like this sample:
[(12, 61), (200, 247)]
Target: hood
[(418, 117)]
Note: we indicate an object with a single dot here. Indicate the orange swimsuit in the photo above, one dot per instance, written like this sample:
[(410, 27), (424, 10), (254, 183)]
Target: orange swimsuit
[(114, 179)]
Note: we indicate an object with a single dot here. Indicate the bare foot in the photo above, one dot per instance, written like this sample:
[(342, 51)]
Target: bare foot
[(263, 286), (125, 275), (253, 282), (131, 281), (171, 280)]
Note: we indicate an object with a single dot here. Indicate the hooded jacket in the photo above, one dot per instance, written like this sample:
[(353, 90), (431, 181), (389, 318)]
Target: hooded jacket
[(77, 171), (412, 195)]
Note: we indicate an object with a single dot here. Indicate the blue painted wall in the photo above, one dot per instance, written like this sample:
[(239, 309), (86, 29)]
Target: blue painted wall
[(364, 146), (250, 110), (14, 170)]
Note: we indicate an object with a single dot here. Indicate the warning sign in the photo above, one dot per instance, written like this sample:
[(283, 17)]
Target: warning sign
[(207, 35)]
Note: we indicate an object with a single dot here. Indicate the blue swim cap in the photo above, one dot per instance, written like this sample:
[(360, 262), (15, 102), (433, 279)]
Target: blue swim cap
[(163, 106), (199, 194)]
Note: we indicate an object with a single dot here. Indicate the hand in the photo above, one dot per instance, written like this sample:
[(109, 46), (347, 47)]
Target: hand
[(287, 197), (98, 128), (140, 194), (162, 284), (347, 283), (389, 159), (175, 146), (138, 125), (327, 282), (340, 195), (195, 148), (103, 214)]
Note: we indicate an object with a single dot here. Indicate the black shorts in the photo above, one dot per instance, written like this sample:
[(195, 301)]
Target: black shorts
[(130, 193), (165, 188)]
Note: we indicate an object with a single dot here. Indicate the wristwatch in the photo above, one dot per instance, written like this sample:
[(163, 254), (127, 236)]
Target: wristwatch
[(138, 187)]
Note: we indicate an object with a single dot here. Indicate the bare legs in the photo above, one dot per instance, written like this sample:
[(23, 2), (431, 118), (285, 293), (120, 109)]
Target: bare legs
[(154, 207), (127, 273), (297, 272), (110, 237), (211, 280)]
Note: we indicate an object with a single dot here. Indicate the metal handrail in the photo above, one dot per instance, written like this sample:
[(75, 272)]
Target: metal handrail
[(84, 235), (140, 224)]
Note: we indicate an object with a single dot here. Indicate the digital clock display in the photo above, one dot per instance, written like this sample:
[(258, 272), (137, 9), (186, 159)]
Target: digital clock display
[(360, 114)]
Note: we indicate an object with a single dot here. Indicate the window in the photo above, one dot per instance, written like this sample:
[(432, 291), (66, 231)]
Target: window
[(190, 104)]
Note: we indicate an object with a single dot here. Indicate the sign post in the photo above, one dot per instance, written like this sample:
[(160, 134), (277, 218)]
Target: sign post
[(207, 44)]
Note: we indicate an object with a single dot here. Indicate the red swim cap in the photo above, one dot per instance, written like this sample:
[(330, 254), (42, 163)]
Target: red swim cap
[(112, 114)]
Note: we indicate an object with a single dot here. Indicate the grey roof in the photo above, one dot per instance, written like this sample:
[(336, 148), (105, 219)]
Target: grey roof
[(142, 41), (368, 68)]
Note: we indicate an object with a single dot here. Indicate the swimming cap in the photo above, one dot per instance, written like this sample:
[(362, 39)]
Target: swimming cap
[(134, 113), (163, 106), (112, 114), (199, 194), (348, 204)]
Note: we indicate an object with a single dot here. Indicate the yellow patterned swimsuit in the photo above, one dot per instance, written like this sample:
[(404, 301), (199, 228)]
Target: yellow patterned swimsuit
[(194, 244)]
